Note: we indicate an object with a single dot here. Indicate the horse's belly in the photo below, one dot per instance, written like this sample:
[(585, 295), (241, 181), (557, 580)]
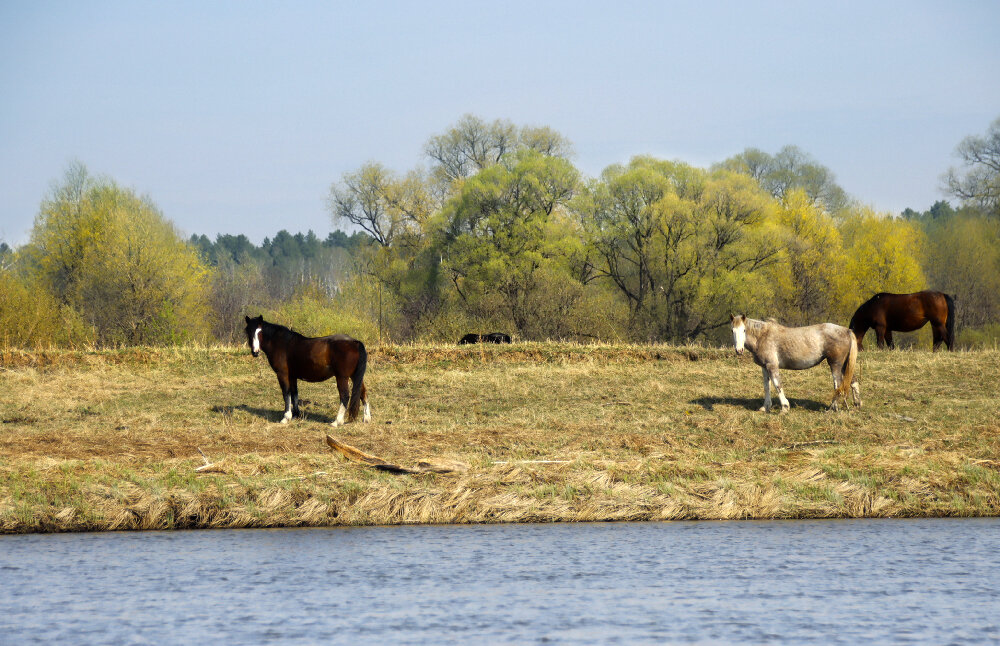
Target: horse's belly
[(800, 364), (907, 324), (315, 376)]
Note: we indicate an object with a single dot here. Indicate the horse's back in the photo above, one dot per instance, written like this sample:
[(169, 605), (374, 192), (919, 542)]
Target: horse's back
[(799, 348), (340, 338), (908, 312), (918, 303)]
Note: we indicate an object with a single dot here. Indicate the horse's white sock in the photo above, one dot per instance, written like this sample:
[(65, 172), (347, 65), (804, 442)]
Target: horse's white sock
[(340, 416)]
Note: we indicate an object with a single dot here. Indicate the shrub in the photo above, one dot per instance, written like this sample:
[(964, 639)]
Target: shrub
[(31, 318)]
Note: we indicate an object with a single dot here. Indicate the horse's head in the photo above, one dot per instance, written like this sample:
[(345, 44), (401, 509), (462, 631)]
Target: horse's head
[(255, 328), (739, 324)]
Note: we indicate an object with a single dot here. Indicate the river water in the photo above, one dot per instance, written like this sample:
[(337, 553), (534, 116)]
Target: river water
[(794, 582)]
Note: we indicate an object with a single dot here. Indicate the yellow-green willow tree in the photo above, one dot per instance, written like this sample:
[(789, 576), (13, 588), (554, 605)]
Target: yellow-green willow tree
[(812, 277), (682, 245), (504, 238), (883, 253), (111, 256)]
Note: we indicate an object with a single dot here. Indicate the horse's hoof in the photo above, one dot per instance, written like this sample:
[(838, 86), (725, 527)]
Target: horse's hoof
[(335, 424), (284, 420), (763, 409)]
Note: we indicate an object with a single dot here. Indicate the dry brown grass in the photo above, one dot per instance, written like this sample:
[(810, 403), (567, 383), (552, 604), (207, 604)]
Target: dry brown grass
[(110, 439)]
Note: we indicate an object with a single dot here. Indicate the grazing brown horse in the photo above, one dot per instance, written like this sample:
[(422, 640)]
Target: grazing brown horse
[(906, 313), (294, 357)]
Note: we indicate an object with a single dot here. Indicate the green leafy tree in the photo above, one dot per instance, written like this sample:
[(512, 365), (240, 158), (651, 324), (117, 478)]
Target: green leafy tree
[(678, 243), (382, 204), (31, 317), (407, 217), (472, 145), (111, 256), (811, 279), (790, 169), (963, 259), (978, 184), (502, 229), (6, 256)]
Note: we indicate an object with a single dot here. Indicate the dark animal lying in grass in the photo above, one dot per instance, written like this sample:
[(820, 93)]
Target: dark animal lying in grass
[(492, 337)]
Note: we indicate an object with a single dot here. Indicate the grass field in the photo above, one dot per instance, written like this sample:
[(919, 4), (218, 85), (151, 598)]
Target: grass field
[(546, 432)]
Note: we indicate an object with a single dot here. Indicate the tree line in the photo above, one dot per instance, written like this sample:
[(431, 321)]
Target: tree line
[(500, 231)]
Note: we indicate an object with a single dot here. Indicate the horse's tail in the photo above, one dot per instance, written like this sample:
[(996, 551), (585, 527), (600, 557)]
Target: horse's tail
[(848, 375), (358, 380), (950, 324)]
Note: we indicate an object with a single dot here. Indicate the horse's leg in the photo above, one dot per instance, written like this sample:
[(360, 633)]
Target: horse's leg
[(776, 380), (837, 370), (294, 387), (286, 395), (940, 333), (364, 399), (767, 391), (888, 339), (880, 336), (344, 389), (856, 391)]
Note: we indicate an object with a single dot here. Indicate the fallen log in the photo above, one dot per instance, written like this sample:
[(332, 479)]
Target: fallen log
[(357, 455)]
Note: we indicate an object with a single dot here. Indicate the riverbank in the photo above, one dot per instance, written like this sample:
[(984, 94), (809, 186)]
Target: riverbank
[(111, 440)]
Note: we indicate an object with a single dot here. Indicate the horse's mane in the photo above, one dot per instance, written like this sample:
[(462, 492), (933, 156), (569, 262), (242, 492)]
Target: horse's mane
[(756, 325), (863, 309), (278, 329), (876, 297)]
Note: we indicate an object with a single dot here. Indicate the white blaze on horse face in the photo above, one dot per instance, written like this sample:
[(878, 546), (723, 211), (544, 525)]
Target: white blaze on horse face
[(256, 341), (739, 336)]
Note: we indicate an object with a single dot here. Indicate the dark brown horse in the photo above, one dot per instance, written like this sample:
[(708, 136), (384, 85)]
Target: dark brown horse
[(294, 357), (906, 313)]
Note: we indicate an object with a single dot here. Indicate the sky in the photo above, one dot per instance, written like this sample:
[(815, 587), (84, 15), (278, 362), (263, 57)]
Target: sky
[(237, 117)]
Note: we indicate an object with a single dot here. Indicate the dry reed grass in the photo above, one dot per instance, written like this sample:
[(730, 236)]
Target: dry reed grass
[(110, 439)]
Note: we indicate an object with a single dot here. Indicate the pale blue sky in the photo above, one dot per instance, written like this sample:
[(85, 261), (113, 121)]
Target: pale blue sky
[(235, 117)]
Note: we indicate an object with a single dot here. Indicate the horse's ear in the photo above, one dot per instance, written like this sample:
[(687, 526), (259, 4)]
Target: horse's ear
[(743, 317), (247, 318), (732, 317)]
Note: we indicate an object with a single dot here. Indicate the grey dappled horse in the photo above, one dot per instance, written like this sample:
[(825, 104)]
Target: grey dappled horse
[(775, 346)]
